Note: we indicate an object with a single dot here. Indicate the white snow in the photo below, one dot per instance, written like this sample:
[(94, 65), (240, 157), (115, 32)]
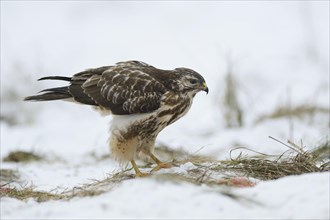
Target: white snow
[(278, 52)]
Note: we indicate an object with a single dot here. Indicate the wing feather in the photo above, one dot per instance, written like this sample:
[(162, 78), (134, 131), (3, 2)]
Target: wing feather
[(125, 89)]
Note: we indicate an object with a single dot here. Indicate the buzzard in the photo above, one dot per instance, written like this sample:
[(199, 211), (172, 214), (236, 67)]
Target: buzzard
[(142, 99)]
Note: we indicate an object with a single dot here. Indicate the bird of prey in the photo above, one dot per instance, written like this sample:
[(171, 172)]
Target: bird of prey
[(142, 99)]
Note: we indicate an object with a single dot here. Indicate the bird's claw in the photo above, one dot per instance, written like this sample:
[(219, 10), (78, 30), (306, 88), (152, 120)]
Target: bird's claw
[(161, 166)]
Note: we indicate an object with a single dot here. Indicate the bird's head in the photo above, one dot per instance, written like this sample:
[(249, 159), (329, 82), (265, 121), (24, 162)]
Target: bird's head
[(191, 81)]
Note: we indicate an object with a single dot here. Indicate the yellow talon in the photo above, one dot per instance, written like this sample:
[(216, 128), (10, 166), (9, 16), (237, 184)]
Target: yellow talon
[(137, 171), (160, 164)]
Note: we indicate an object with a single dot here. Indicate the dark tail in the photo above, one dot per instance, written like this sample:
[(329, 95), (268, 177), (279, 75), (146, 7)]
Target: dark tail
[(53, 93), (56, 78)]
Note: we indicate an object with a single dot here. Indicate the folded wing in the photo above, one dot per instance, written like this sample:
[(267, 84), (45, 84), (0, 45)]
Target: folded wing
[(125, 89)]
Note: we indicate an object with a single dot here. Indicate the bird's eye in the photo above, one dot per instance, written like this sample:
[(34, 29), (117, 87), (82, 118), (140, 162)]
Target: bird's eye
[(193, 81)]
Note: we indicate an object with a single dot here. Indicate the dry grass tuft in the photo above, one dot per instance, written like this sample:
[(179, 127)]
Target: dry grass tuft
[(295, 161), (232, 111), (299, 111), (22, 156), (96, 187), (8, 175), (28, 192)]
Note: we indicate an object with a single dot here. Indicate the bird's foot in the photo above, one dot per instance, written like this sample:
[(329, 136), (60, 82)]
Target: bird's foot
[(138, 173), (161, 165)]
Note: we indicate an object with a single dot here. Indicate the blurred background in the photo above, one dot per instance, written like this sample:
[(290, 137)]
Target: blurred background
[(266, 64)]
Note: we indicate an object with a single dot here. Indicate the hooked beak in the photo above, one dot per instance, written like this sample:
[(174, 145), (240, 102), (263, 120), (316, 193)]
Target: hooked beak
[(205, 88)]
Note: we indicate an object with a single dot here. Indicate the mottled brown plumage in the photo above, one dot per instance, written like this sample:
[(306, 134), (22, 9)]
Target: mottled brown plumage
[(142, 99)]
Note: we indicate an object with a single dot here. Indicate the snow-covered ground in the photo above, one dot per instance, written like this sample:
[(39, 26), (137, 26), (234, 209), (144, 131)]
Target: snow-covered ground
[(295, 197), (277, 51)]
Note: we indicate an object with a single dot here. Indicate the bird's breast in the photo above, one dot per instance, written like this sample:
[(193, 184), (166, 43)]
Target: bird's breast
[(173, 107), (146, 126)]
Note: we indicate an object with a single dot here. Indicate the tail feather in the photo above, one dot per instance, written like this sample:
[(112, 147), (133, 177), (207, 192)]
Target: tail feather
[(62, 90), (56, 78), (48, 97), (52, 93)]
